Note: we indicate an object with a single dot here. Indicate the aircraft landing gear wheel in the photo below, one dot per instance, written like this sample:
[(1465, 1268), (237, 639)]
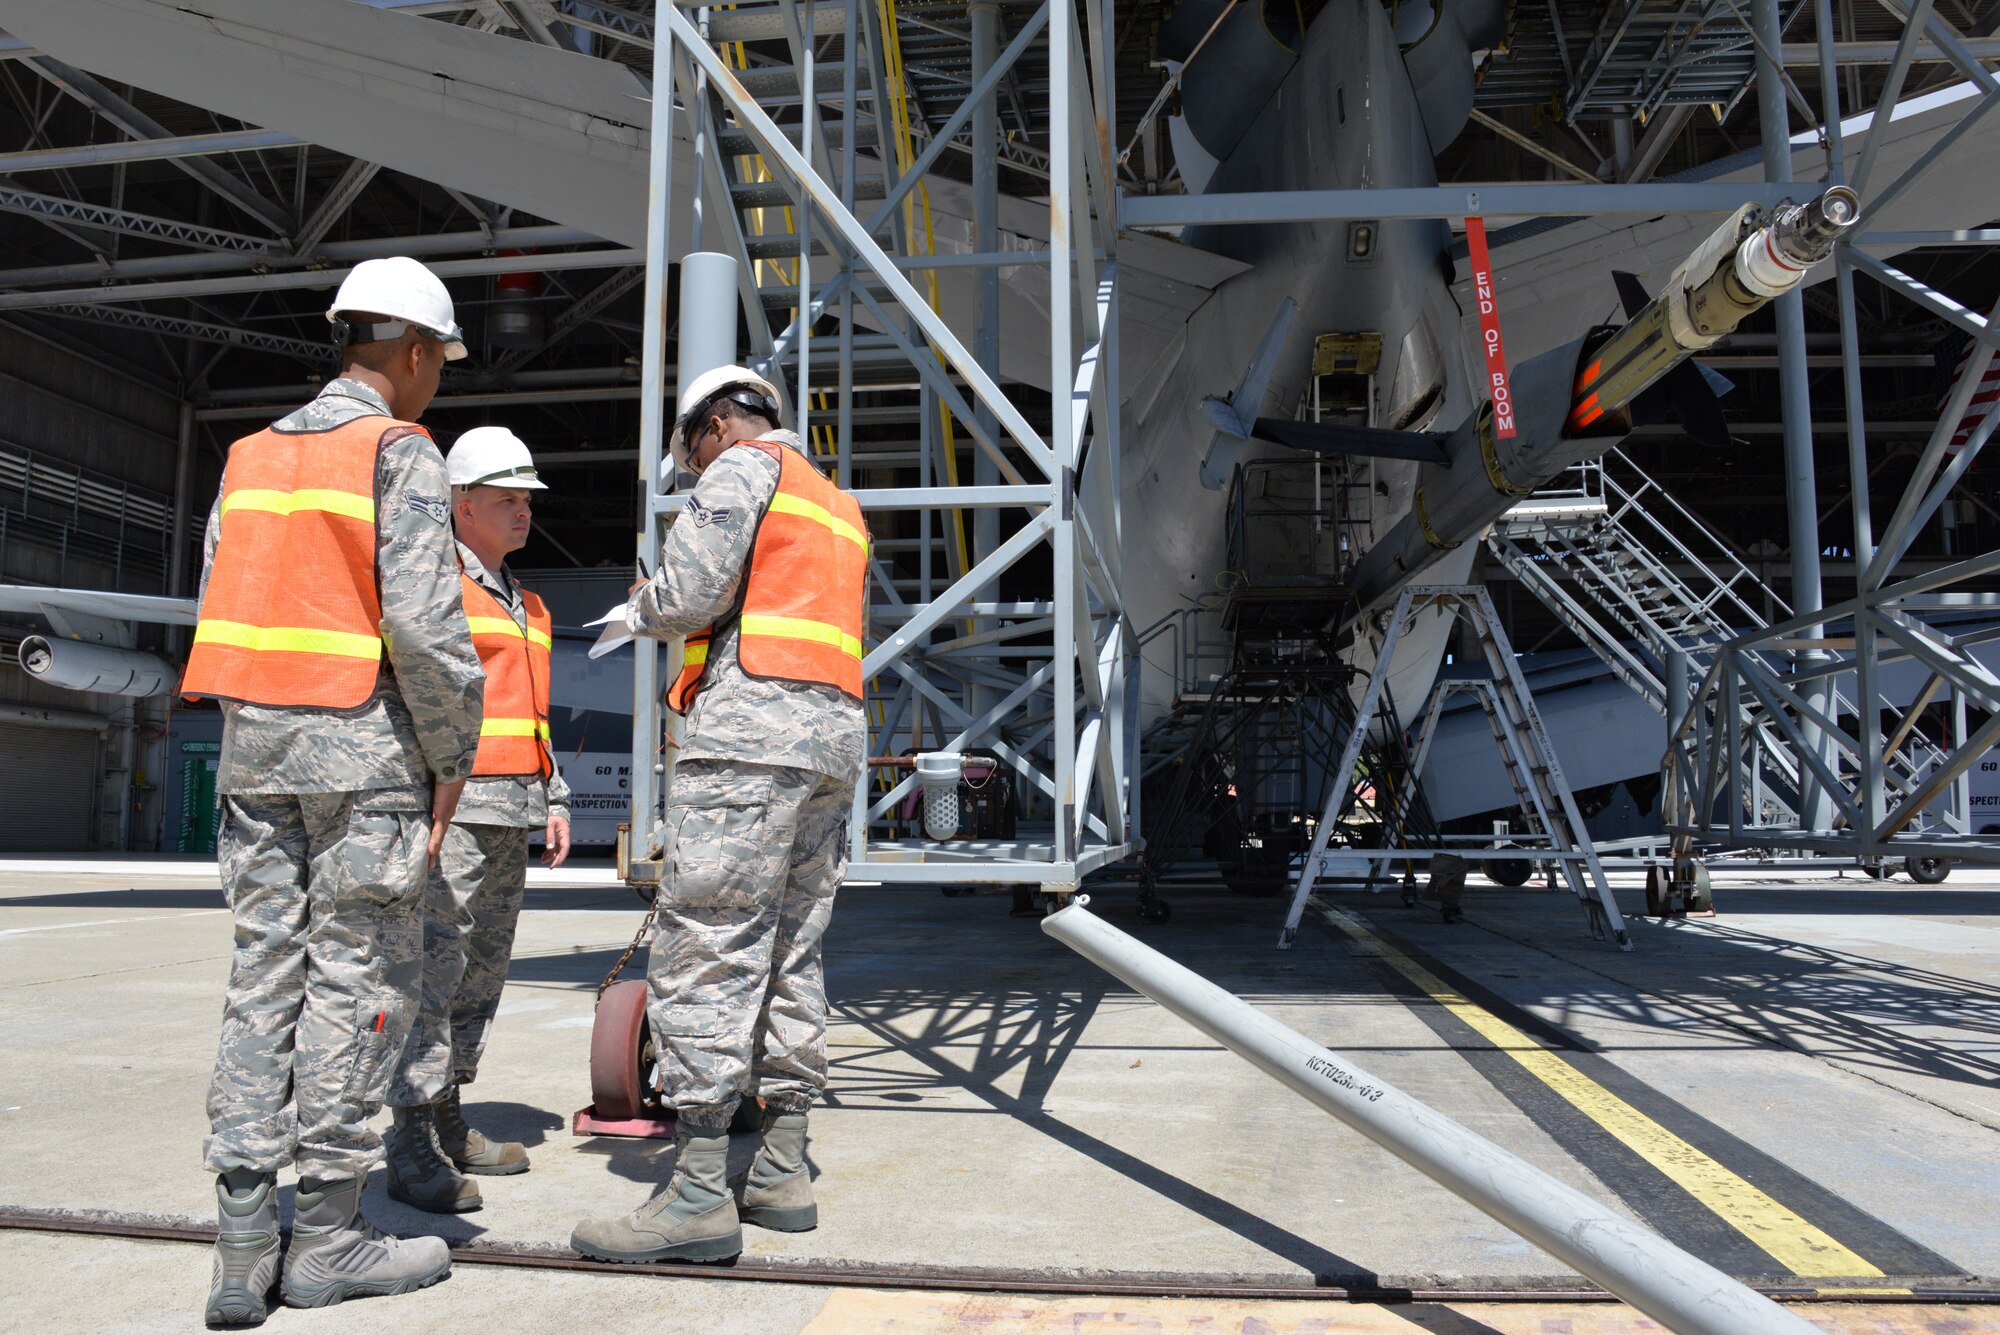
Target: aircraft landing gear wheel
[(1657, 895), (1510, 872), (1154, 910), (1927, 871), (1696, 892), (621, 1054)]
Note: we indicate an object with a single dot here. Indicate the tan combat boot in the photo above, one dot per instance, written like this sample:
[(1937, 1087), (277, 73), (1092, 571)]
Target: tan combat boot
[(337, 1255), (246, 1249), (418, 1174), (693, 1218), (471, 1152), (777, 1193)]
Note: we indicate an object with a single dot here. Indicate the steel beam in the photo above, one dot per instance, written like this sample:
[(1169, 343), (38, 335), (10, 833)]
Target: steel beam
[(87, 90), (125, 222), (1245, 208), (1882, 53), (332, 252), (336, 202), (311, 353), (208, 287), (145, 150)]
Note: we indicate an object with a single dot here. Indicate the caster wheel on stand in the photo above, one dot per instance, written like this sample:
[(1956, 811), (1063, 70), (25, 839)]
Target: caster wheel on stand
[(1927, 871), (622, 1060), (1658, 896), (1155, 910), (1696, 893)]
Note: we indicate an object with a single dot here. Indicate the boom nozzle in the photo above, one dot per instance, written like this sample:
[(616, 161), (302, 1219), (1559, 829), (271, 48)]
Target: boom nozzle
[(1805, 233), (1756, 255)]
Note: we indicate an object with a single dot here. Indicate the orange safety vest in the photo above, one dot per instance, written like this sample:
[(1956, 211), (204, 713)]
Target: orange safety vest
[(293, 613), (514, 737), (805, 591)]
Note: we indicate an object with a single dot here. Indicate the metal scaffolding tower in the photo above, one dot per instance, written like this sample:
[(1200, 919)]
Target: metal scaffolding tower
[(1858, 800), (1045, 682)]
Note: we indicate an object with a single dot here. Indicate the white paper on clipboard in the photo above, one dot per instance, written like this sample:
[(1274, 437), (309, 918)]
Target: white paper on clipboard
[(615, 633)]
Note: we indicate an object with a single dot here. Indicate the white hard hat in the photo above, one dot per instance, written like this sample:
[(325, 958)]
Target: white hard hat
[(401, 291), (491, 456), (738, 383)]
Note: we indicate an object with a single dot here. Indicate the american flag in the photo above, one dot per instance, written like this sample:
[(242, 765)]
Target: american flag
[(1954, 353)]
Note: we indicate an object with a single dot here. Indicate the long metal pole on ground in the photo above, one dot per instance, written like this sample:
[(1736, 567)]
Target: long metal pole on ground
[(1678, 1290)]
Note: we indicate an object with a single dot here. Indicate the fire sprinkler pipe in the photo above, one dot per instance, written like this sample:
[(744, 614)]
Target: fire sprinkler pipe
[(1678, 1290)]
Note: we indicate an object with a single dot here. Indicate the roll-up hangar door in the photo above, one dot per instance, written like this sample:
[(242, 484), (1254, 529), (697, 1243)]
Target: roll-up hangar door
[(46, 780)]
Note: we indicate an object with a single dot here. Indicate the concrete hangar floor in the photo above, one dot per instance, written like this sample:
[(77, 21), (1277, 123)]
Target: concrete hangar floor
[(1804, 1091)]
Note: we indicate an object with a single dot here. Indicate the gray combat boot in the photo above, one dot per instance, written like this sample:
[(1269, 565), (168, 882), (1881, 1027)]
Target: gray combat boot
[(246, 1249), (418, 1174), (778, 1193), (693, 1218), (337, 1255), (470, 1151)]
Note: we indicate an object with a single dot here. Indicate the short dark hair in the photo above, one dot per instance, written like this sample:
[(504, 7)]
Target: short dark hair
[(733, 408)]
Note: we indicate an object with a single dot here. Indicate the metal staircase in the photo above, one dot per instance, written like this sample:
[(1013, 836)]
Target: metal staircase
[(1638, 578)]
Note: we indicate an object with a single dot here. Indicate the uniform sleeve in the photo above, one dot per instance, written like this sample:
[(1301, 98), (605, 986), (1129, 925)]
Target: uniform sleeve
[(423, 613), (209, 540), (702, 561), (558, 795)]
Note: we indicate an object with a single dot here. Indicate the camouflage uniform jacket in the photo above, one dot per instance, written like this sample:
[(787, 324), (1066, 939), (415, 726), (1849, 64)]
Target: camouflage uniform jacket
[(700, 582), (520, 803), (423, 719)]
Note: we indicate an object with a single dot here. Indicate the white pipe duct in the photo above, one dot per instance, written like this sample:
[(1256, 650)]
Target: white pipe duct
[(1680, 1291), (96, 667)]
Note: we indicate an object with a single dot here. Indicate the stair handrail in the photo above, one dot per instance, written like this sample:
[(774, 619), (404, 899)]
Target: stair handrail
[(1629, 503)]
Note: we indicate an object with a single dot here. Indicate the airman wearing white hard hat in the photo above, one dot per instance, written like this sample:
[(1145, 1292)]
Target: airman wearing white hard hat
[(766, 574), (472, 903), (737, 383), (492, 456), (405, 294)]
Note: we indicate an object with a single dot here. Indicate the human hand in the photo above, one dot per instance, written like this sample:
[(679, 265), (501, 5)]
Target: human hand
[(555, 842), (444, 805)]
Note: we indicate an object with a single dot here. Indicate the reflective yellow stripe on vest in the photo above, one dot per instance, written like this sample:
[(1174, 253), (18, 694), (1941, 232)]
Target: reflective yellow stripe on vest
[(306, 498), (787, 504), (695, 654), (798, 628), (515, 727), (506, 626), (289, 639)]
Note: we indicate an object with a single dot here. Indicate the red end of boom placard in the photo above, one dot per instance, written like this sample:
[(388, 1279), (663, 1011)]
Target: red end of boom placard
[(1489, 328)]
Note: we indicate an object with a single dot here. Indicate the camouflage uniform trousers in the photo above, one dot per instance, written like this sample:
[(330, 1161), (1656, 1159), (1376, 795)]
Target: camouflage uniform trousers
[(755, 853), (327, 892), (471, 906)]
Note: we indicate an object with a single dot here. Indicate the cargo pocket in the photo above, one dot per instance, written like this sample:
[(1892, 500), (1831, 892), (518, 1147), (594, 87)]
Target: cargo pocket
[(379, 1032), (383, 860), (691, 1022), (717, 836)]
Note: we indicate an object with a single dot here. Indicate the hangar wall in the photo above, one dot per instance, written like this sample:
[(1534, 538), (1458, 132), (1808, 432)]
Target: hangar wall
[(87, 460)]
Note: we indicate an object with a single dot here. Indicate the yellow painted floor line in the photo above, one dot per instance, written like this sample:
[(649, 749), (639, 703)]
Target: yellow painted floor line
[(1793, 1241)]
